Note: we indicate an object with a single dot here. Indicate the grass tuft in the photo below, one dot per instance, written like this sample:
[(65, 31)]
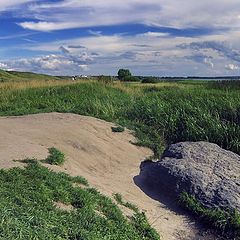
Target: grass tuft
[(118, 129), (119, 200), (55, 157), (80, 180), (226, 221)]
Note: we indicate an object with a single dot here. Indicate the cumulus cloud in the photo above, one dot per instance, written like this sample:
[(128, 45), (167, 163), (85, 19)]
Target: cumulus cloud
[(208, 62), (200, 58), (6, 4), (153, 50), (176, 13), (220, 47), (232, 67), (76, 46), (64, 50), (52, 63), (3, 66), (106, 53)]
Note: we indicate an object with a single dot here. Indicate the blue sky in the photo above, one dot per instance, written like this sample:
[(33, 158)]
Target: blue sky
[(151, 37)]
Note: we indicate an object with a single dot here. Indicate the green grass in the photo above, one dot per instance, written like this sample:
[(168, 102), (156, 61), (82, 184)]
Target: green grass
[(7, 76), (226, 221), (28, 209), (119, 200), (160, 117), (55, 157), (118, 129), (80, 180)]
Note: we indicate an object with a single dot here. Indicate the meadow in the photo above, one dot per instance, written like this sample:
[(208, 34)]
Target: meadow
[(160, 114)]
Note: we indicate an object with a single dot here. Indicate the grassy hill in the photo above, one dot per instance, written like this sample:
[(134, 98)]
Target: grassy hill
[(6, 76)]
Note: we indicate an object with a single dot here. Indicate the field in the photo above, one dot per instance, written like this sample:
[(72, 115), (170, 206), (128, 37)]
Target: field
[(160, 114)]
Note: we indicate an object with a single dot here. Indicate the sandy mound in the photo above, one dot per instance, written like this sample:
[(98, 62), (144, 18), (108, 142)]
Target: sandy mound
[(108, 160)]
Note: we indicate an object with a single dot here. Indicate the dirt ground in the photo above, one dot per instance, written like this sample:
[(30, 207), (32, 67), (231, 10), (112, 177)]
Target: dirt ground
[(109, 161)]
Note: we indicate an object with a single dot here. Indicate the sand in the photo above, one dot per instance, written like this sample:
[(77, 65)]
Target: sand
[(109, 161)]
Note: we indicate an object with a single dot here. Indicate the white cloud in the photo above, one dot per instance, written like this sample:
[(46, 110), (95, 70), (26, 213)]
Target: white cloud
[(3, 66), (154, 34), (176, 13), (231, 67), (152, 52), (56, 64), (208, 62), (7, 4)]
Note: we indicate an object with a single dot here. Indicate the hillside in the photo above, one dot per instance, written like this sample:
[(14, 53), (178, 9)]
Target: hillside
[(6, 76)]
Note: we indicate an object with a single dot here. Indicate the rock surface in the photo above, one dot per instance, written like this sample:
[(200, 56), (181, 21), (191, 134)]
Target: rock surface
[(203, 169)]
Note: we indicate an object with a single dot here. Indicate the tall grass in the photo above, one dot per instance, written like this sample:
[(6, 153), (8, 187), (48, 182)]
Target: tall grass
[(225, 84), (160, 116)]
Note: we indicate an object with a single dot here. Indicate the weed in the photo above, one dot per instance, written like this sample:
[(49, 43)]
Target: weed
[(80, 180), (55, 157), (119, 199), (118, 129)]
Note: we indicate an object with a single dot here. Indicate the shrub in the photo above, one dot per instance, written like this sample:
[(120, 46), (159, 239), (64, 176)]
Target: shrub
[(131, 79), (150, 80), (55, 157)]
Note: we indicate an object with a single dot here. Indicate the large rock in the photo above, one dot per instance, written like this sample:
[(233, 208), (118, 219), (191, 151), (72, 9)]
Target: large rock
[(203, 169)]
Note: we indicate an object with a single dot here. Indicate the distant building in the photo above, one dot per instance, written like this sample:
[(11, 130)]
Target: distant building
[(74, 78)]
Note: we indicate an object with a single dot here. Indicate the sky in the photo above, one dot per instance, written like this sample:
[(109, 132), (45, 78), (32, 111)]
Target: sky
[(149, 37)]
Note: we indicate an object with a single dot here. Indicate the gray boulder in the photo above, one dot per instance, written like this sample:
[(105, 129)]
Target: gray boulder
[(202, 169)]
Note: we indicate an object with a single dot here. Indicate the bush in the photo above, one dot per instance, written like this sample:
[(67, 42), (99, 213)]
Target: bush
[(131, 79), (150, 80), (55, 157)]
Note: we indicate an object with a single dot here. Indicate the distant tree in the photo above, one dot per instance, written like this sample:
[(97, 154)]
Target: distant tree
[(123, 73)]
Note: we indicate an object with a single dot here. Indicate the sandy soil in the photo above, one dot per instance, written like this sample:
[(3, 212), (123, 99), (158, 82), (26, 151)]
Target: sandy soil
[(108, 160)]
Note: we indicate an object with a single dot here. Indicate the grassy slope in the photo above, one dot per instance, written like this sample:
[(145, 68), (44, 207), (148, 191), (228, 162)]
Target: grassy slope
[(6, 76), (28, 209)]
